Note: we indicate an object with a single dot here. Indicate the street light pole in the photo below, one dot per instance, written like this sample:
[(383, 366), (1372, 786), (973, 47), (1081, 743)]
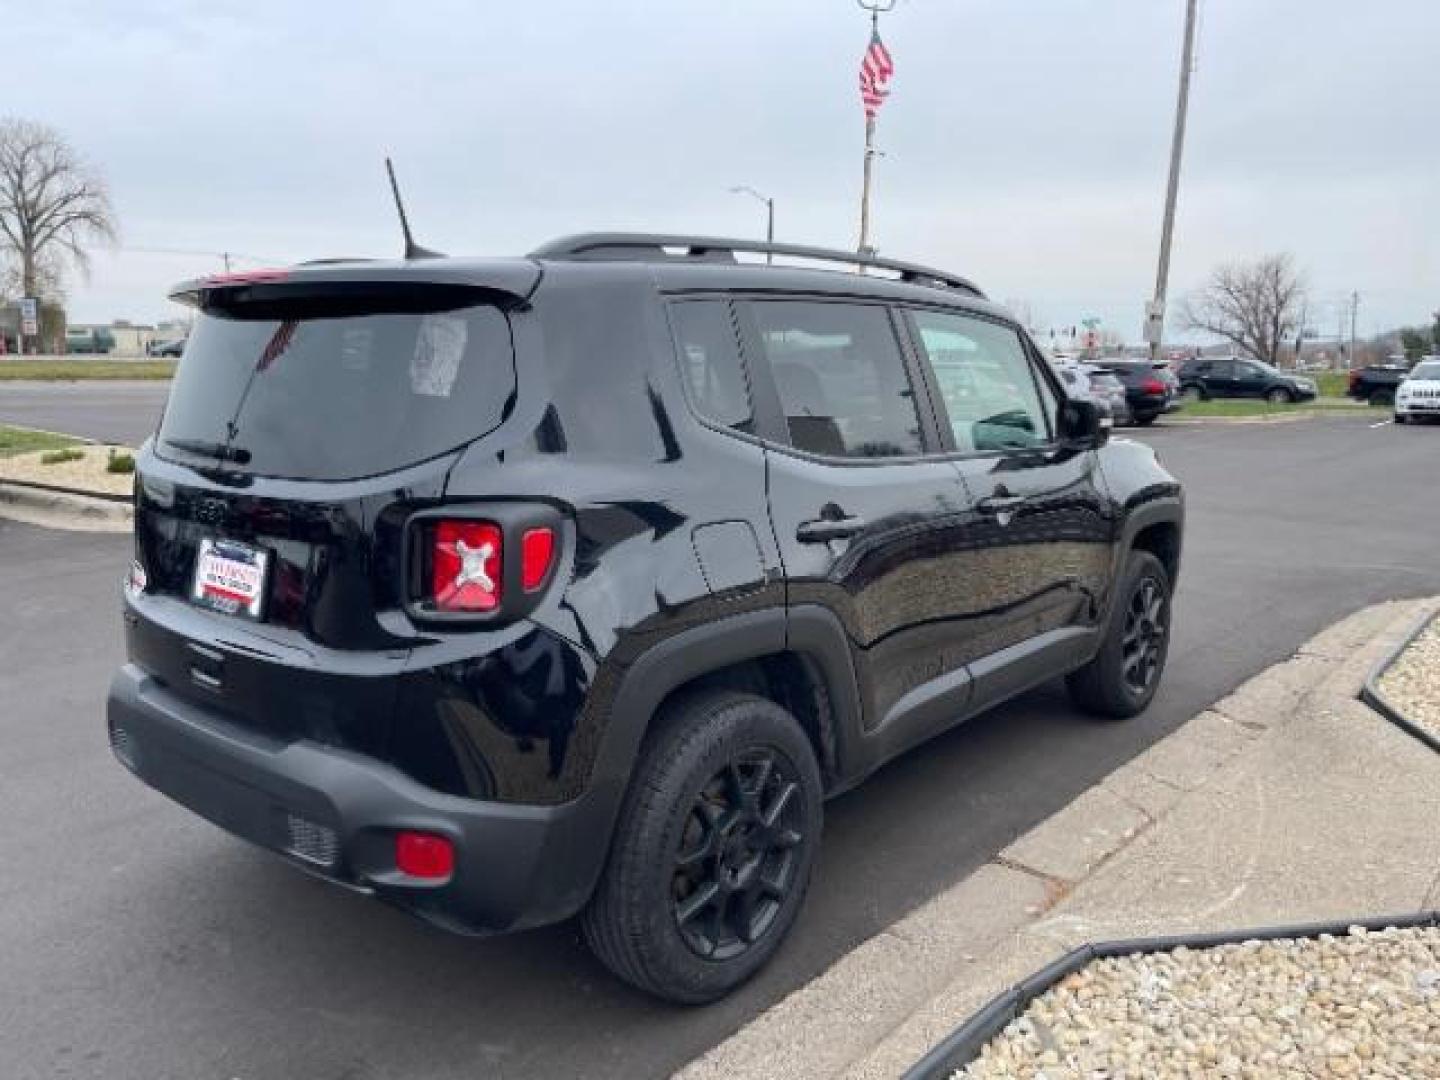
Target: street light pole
[(743, 189), (1155, 324)]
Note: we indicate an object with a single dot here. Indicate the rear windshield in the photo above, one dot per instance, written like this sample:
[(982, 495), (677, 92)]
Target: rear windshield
[(337, 396)]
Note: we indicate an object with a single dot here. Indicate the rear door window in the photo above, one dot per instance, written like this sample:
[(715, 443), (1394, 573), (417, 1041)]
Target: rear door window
[(841, 378), (336, 393)]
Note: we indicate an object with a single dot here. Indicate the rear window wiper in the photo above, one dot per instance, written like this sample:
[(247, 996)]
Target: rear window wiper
[(217, 450)]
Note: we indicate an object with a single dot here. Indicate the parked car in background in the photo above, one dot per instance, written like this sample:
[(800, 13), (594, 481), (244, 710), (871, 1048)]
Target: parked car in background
[(1147, 392), (1377, 383), (1098, 384), (506, 590), (1239, 377), (168, 348), (1418, 397)]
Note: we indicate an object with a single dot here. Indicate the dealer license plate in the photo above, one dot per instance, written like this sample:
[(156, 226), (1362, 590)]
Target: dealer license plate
[(230, 578)]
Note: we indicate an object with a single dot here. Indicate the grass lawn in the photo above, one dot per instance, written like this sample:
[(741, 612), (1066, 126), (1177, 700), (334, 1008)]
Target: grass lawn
[(1251, 407), (15, 440), (58, 370)]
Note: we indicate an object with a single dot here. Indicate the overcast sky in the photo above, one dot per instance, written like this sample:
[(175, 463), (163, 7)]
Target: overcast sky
[(1026, 141)]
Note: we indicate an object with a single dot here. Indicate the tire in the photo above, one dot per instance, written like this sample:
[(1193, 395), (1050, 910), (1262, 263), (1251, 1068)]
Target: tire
[(1192, 394), (1279, 396), (1380, 398), (1401, 418), (1104, 687), (691, 827), (1146, 420)]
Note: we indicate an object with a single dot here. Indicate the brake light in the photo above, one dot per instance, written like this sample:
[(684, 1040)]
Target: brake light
[(424, 855), (537, 555), (1152, 386), (466, 566)]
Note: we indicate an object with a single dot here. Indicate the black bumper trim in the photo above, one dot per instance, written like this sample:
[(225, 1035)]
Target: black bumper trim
[(516, 865)]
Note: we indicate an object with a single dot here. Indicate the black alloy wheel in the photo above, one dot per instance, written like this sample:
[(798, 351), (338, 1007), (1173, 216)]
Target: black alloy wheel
[(1122, 677), (712, 853), (738, 854), (1146, 629)]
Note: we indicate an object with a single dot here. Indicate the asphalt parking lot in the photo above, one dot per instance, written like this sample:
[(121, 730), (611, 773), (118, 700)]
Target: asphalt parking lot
[(138, 941)]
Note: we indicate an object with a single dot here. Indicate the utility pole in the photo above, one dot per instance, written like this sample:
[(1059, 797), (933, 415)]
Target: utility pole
[(1354, 315), (875, 7), (1155, 323)]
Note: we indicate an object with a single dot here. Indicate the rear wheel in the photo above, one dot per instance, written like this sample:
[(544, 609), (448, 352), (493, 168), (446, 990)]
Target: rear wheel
[(1145, 419), (1192, 394), (713, 850), (1382, 397), (1122, 678)]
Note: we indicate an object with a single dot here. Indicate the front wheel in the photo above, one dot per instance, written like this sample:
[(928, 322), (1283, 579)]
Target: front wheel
[(1122, 678), (713, 850), (1278, 396), (1401, 418)]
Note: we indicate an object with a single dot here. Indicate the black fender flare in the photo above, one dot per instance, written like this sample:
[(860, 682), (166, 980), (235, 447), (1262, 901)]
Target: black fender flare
[(810, 631), (1166, 509)]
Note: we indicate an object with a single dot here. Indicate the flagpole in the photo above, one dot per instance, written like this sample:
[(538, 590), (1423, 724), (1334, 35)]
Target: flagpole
[(874, 7), (864, 247)]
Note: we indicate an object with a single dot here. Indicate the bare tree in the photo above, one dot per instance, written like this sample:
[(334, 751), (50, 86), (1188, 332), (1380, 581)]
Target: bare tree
[(51, 204), (1254, 306)]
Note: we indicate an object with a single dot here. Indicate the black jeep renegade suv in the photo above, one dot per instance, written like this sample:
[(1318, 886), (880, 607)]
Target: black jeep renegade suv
[(511, 589)]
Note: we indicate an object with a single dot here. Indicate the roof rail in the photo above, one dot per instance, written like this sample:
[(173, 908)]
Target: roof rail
[(647, 247)]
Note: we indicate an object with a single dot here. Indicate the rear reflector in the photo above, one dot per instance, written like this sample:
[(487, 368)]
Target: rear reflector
[(424, 855), (537, 553), (466, 564)]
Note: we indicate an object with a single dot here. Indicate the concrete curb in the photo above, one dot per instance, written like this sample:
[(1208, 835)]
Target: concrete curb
[(1273, 418), (1373, 696), (64, 509), (870, 1014)]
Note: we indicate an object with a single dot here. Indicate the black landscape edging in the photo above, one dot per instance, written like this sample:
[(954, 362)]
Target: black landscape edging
[(57, 489), (963, 1045), (1371, 695)]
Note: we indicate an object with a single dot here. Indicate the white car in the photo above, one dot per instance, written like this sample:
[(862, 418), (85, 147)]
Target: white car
[(1419, 395)]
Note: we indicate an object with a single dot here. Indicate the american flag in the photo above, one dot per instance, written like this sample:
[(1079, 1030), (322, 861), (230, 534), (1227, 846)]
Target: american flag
[(279, 342), (875, 71)]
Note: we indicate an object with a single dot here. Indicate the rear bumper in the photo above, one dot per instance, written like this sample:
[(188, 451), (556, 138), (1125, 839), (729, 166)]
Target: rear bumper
[(335, 813)]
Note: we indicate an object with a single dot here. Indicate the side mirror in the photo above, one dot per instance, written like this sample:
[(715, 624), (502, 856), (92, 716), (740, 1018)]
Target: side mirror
[(1083, 423)]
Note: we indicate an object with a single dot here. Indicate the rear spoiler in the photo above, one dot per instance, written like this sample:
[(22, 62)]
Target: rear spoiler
[(502, 281)]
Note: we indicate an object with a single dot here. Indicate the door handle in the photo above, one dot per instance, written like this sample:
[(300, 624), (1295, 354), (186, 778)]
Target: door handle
[(823, 530), (1000, 504)]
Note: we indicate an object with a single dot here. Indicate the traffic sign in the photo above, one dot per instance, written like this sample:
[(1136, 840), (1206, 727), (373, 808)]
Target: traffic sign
[(29, 316)]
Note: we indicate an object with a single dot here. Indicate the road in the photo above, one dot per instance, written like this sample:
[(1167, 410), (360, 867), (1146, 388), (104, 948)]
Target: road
[(136, 940), (120, 411)]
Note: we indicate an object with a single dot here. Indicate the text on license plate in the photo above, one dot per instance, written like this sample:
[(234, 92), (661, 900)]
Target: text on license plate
[(230, 578)]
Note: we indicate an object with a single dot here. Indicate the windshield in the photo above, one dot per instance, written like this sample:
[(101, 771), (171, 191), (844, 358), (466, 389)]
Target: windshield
[(333, 398), (1428, 370)]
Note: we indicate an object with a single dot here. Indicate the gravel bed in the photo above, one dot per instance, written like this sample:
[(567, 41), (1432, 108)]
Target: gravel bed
[(1412, 683), (86, 474), (1363, 1004)]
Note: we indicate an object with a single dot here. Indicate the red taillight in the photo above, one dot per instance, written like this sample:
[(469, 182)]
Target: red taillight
[(466, 566), (537, 553), (424, 855), (1152, 386)]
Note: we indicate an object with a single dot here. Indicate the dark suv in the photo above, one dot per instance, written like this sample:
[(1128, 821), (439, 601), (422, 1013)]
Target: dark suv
[(1237, 377), (507, 589)]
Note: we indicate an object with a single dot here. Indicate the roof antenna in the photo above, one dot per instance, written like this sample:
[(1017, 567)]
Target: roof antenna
[(412, 249)]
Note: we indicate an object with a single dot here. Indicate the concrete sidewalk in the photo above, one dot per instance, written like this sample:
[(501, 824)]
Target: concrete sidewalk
[(1287, 802)]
